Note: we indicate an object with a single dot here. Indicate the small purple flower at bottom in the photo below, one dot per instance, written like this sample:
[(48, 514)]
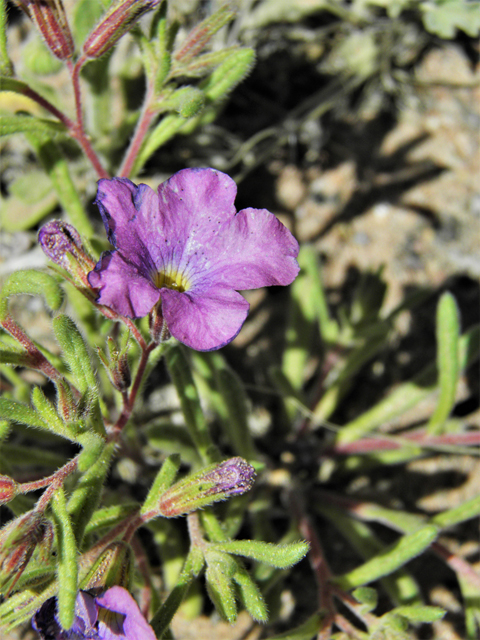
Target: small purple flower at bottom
[(113, 616), (188, 248)]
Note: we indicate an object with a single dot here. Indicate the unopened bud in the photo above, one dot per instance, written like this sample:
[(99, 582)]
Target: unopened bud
[(8, 489), (120, 17), (18, 540), (112, 568), (51, 20), (66, 405), (159, 331), (217, 482), (63, 245)]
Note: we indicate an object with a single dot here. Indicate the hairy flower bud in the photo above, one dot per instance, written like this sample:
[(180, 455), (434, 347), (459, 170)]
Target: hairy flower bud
[(119, 18), (212, 484), (51, 20), (8, 489), (63, 245), (113, 567), (18, 540)]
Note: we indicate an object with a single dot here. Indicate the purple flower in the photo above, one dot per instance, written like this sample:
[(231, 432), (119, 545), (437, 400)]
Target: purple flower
[(188, 248), (113, 616)]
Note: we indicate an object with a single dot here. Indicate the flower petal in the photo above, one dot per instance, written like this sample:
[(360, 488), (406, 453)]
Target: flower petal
[(122, 287), (251, 250), (205, 320), (193, 204), (135, 627)]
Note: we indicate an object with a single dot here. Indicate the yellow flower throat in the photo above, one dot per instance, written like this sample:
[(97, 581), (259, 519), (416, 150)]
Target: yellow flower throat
[(171, 280)]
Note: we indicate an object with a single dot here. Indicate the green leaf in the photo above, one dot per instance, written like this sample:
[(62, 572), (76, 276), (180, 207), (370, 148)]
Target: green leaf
[(86, 495), (38, 59), (305, 631), (400, 586), (229, 74), (6, 67), (14, 356), (67, 569), (448, 335), (328, 327), (48, 412), (420, 614), (31, 282), (85, 16), (218, 575), (409, 394), (108, 517), (394, 557), (165, 613), (179, 370), (201, 65), (58, 171), (41, 127), (300, 328), (187, 101), (367, 596), (166, 129), (22, 605), (275, 555), (250, 595), (75, 352), (17, 215), (201, 35), (21, 413), (163, 481), (229, 399), (465, 511)]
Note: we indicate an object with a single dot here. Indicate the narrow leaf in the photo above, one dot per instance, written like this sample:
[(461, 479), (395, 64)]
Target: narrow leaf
[(250, 595), (165, 613), (229, 74), (75, 352), (201, 35), (275, 555), (48, 412), (31, 282), (6, 67), (166, 129), (42, 127), (448, 335), (163, 481), (179, 370), (465, 511), (67, 569), (394, 557), (305, 631), (108, 517), (422, 614), (21, 414), (86, 496), (218, 575), (409, 394), (58, 171)]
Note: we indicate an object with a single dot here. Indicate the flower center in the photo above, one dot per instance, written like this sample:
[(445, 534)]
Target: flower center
[(171, 280)]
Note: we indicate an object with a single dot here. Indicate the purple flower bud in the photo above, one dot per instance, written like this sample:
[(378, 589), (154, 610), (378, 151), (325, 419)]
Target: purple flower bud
[(120, 17), (51, 20), (63, 245), (217, 482)]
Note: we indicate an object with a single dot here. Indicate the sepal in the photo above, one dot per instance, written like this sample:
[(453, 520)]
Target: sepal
[(212, 484)]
